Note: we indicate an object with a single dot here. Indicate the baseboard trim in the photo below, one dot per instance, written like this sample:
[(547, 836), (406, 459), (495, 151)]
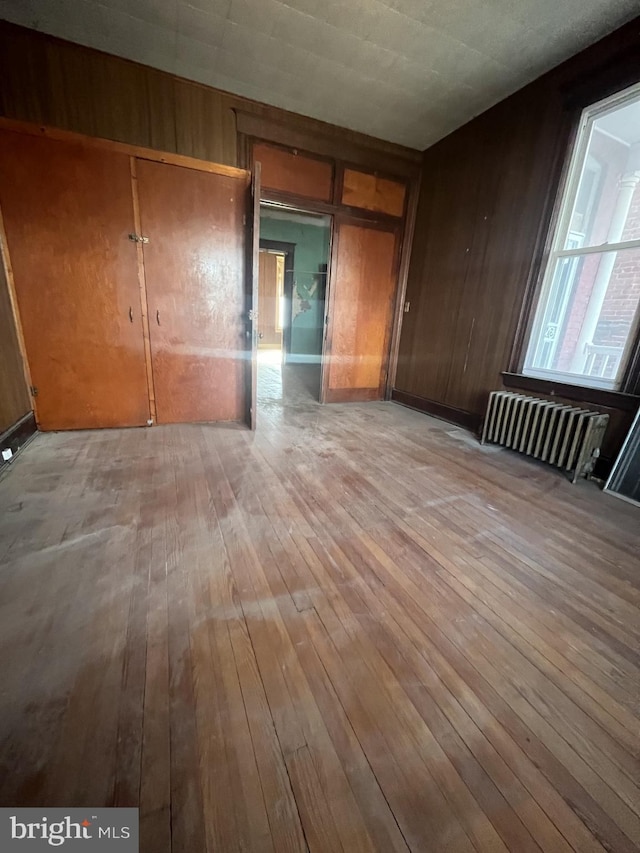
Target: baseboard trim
[(352, 395), (460, 417), (17, 436)]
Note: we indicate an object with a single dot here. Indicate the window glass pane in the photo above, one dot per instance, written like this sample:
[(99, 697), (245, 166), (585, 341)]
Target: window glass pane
[(607, 201), (586, 319)]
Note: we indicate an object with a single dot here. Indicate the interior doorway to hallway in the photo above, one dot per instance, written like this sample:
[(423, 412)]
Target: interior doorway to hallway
[(292, 291)]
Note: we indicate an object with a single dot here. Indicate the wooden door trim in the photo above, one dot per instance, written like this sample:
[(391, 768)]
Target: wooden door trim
[(327, 313), (13, 299), (406, 242), (385, 370), (329, 304), (30, 129), (311, 205), (370, 153), (144, 302), (254, 249)]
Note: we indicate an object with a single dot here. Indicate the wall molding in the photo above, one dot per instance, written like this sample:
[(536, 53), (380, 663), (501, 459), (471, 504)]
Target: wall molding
[(468, 420)]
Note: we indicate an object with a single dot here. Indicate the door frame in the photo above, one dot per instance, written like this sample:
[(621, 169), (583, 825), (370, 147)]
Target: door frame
[(312, 209), (288, 250)]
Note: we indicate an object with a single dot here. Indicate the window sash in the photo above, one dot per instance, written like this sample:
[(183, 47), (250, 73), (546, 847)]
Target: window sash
[(601, 249), (541, 318), (562, 233), (579, 158)]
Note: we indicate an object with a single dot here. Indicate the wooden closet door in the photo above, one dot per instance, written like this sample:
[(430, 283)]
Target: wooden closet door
[(194, 268), (361, 304), (67, 212)]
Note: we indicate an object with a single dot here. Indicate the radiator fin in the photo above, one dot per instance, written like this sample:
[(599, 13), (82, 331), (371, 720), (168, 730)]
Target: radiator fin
[(557, 433)]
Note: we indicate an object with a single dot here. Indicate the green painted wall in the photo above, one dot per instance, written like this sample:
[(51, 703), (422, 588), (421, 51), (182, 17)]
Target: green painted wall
[(312, 250)]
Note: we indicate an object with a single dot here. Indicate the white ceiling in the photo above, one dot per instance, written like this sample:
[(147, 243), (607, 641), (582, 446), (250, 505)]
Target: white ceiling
[(409, 71)]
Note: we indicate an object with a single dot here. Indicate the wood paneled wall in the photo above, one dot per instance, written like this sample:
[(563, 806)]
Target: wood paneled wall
[(14, 395), (53, 82), (486, 199)]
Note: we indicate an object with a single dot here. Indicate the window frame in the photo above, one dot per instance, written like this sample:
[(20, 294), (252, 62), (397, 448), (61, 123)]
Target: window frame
[(553, 234)]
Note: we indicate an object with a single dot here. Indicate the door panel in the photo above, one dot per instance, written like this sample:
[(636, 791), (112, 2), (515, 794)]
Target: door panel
[(194, 267), (68, 211), (290, 172), (373, 193), (362, 289)]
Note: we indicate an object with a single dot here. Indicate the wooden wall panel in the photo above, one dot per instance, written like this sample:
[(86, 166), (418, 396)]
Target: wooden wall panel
[(14, 395), (438, 271), (205, 123), (293, 173), (486, 200), (93, 95), (373, 193), (161, 103), (361, 311), (53, 82), (25, 92)]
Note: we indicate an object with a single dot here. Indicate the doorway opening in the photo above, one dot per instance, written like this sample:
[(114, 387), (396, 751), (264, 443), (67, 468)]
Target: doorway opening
[(292, 289)]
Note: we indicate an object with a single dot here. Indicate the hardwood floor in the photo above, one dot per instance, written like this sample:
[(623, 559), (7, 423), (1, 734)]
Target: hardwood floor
[(353, 630)]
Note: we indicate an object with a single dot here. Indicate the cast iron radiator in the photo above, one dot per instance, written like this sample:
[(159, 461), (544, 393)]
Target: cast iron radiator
[(562, 435)]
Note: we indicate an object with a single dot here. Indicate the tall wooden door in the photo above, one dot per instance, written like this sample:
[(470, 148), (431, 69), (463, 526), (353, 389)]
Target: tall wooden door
[(67, 212), (194, 264), (360, 313)]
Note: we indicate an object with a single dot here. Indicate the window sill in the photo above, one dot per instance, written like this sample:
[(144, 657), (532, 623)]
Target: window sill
[(579, 393)]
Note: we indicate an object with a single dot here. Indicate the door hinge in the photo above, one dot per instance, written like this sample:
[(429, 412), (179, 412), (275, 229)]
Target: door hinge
[(138, 238), (253, 315), (34, 390)]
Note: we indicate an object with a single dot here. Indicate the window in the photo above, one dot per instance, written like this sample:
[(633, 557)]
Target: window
[(586, 323)]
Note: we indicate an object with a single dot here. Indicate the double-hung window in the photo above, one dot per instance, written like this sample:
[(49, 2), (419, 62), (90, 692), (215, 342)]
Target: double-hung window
[(586, 324)]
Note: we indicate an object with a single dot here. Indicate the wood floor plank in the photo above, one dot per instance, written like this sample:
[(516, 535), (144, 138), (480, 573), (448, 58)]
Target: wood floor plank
[(631, 681), (313, 762), (355, 629), (520, 839), (286, 567)]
